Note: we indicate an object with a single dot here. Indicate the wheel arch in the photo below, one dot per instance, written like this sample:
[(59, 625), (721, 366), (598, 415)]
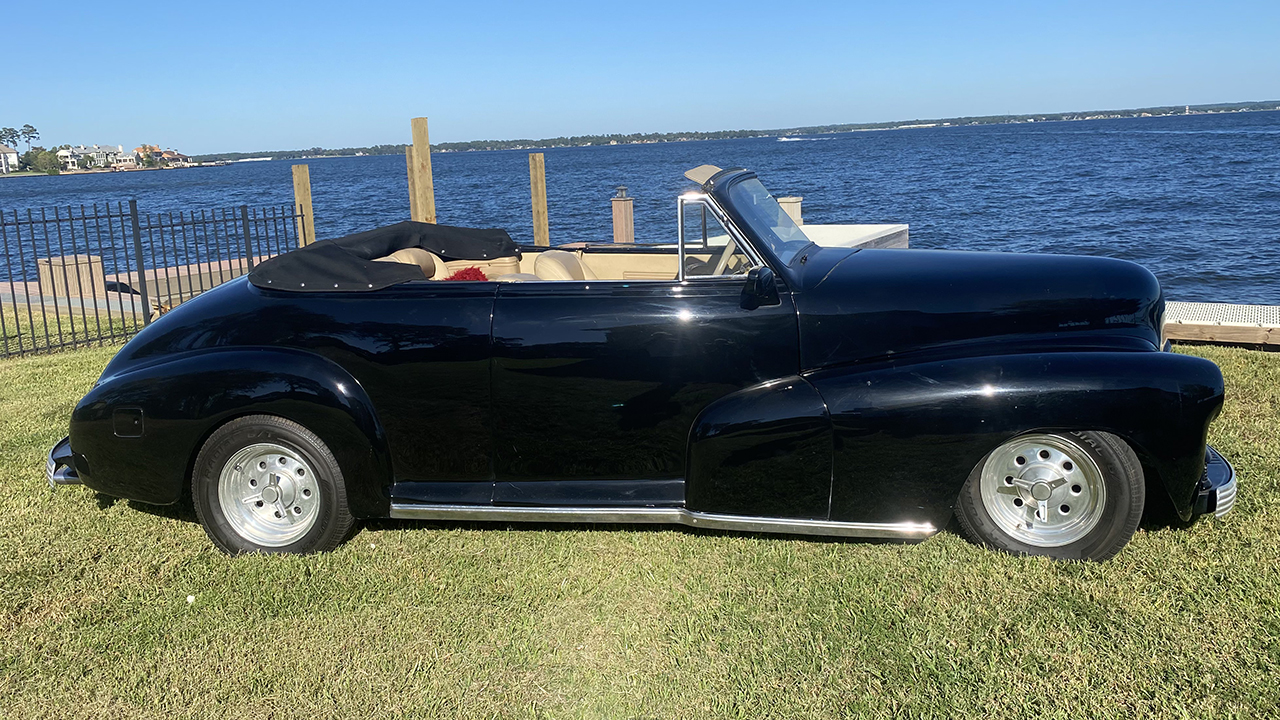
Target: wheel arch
[(184, 399)]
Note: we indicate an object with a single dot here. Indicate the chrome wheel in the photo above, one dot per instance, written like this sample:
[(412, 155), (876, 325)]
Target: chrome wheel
[(1043, 490), (269, 494)]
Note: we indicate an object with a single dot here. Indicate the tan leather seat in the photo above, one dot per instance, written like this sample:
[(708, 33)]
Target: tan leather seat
[(430, 263), (561, 265), (518, 277)]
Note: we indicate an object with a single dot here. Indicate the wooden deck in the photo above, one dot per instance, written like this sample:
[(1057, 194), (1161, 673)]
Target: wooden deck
[(1223, 323)]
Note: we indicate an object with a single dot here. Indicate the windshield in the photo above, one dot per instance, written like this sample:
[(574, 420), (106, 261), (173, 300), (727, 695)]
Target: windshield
[(767, 219)]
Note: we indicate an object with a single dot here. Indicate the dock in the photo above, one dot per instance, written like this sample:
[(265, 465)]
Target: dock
[(1224, 323)]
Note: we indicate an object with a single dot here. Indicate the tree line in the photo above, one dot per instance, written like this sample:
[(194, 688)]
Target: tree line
[(12, 136), (35, 158), (583, 140)]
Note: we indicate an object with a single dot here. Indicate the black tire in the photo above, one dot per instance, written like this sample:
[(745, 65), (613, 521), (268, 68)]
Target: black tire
[(332, 523), (1120, 514)]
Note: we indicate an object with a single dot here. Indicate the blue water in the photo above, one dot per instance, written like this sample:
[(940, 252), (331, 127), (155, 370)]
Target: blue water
[(1194, 198)]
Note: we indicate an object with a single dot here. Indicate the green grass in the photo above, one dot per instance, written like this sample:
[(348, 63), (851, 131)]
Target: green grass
[(38, 329), (554, 621), (22, 173)]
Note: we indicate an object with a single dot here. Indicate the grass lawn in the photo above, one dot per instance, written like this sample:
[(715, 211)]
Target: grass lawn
[(555, 621), (22, 173), (26, 329)]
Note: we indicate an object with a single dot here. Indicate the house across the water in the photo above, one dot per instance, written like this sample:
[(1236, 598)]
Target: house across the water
[(8, 160)]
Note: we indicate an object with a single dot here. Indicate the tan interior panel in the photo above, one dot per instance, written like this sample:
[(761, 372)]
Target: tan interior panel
[(491, 268), (638, 265), (553, 264)]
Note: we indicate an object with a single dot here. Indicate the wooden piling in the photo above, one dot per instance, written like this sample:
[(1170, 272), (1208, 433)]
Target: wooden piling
[(791, 205), (538, 196), (423, 206), (413, 191), (302, 203), (624, 230)]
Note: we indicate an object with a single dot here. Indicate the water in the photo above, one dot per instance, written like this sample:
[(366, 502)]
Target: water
[(1194, 198)]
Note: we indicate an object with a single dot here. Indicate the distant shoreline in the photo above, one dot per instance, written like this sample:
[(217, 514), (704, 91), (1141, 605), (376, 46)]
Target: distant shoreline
[(96, 171), (652, 138)]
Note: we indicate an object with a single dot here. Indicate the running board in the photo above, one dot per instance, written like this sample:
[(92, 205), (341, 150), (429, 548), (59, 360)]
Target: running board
[(665, 516)]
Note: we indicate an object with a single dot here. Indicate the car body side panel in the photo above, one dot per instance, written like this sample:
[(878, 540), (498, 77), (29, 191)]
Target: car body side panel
[(602, 380), (763, 451), (908, 435), (419, 350), (183, 399)]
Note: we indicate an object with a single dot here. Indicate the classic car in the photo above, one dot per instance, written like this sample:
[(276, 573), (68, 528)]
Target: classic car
[(742, 378)]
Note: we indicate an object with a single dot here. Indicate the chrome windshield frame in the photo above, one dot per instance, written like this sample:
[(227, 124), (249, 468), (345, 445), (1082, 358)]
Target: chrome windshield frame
[(719, 186), (736, 235)]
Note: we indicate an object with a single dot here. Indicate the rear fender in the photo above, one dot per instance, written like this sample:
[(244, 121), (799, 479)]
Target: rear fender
[(906, 437), (137, 433)]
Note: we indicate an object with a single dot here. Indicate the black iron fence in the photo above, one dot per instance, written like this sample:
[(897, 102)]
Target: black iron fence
[(71, 277)]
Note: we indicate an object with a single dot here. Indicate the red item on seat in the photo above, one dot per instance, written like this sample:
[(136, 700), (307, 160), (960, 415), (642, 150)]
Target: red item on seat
[(468, 273)]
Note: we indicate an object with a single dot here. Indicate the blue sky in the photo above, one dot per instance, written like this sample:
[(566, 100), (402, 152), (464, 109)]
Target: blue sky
[(207, 77)]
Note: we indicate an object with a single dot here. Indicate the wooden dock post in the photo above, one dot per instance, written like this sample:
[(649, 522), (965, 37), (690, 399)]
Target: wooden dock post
[(423, 205), (791, 205), (302, 204), (413, 191), (624, 229), (538, 195)]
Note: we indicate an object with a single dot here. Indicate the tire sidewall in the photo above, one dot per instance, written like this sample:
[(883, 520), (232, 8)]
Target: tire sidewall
[(1122, 478), (234, 436)]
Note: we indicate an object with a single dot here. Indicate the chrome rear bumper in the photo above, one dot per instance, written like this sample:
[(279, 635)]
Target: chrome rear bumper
[(58, 467), (1219, 484)]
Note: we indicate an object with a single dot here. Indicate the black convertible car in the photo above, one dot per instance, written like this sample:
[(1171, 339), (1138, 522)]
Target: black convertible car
[(742, 378)]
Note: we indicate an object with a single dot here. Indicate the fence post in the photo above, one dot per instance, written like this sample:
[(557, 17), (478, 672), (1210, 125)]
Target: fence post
[(248, 245), (624, 229), (538, 196), (424, 206), (413, 190), (302, 202), (137, 256)]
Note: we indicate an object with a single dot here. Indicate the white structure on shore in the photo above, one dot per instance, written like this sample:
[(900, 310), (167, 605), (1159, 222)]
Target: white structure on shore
[(98, 156), (126, 159), (8, 160)]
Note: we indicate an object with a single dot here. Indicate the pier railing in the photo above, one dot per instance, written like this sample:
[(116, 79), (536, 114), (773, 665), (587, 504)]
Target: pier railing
[(77, 276)]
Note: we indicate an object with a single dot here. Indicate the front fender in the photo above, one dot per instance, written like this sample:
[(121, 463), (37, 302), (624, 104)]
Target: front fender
[(765, 451), (907, 436), (137, 433)]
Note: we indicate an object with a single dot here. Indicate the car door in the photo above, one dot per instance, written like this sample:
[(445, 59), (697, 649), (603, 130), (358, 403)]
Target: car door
[(596, 383), (421, 351)]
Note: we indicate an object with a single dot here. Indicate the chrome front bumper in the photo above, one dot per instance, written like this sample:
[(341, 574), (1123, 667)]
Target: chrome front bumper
[(58, 468), (1218, 492)]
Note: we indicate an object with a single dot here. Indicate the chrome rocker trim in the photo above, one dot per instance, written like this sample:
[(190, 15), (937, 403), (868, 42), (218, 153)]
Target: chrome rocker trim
[(664, 516), (57, 466)]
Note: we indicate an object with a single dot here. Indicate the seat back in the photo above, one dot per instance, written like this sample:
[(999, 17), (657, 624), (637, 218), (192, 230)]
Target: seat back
[(561, 265), (430, 263)]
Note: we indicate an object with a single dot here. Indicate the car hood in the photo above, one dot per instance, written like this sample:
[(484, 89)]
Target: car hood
[(876, 305)]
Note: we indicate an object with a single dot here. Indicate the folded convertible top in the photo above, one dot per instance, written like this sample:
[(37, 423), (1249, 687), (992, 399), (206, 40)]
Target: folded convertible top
[(346, 264)]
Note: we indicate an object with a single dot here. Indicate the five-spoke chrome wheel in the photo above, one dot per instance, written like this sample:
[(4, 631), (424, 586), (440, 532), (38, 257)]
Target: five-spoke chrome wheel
[(1043, 490), (269, 494)]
